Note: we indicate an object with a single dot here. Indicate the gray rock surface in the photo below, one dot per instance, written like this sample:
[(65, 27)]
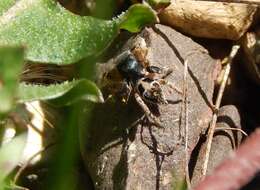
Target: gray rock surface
[(121, 153)]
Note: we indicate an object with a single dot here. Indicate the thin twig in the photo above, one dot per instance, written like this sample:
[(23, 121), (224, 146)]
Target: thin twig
[(250, 2), (232, 129), (212, 127), (238, 170), (186, 122), (25, 165)]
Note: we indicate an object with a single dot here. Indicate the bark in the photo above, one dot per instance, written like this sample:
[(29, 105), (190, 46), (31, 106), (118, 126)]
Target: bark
[(217, 20)]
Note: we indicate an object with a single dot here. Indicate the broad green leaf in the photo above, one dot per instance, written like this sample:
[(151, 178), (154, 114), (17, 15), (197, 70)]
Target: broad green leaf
[(10, 155), (52, 34), (61, 94), (11, 62), (136, 17)]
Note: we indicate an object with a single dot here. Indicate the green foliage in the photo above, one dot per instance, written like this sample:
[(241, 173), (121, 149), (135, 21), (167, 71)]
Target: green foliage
[(155, 2), (5, 4), (10, 155), (136, 17), (158, 4), (52, 34), (104, 9), (11, 62), (61, 94)]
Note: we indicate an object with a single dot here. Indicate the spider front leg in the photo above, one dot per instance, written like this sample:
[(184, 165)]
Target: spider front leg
[(171, 85), (164, 73), (152, 118), (159, 73), (128, 92)]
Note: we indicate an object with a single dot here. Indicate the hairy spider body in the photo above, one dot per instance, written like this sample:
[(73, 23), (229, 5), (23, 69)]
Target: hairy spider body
[(144, 81), (141, 79)]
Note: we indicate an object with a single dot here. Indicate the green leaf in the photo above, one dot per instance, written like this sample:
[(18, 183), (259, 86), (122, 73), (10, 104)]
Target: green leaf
[(61, 94), (10, 155), (52, 34), (159, 3), (5, 4), (136, 17), (104, 9), (11, 62)]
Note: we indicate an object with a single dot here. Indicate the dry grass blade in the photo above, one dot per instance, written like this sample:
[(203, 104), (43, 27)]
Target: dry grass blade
[(232, 129), (39, 112), (186, 122), (212, 127), (38, 73), (238, 169)]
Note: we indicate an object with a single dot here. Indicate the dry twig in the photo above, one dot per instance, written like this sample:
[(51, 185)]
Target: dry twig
[(237, 170), (185, 104), (232, 129), (212, 127), (250, 2)]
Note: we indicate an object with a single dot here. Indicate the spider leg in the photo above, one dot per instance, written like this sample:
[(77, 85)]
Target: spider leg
[(108, 98), (171, 85), (147, 111), (128, 93), (159, 73), (166, 72)]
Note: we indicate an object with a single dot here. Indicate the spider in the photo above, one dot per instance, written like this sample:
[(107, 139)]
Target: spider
[(143, 80)]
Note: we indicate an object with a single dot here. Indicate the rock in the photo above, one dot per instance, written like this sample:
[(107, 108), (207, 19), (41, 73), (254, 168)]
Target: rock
[(223, 144), (121, 153)]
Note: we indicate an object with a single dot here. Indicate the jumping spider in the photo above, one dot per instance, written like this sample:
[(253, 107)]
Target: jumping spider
[(144, 81)]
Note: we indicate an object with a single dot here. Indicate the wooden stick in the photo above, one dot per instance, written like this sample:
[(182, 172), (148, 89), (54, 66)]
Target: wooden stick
[(250, 2)]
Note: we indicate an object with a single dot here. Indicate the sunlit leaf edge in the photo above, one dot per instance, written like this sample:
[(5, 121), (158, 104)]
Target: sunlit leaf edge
[(64, 93)]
